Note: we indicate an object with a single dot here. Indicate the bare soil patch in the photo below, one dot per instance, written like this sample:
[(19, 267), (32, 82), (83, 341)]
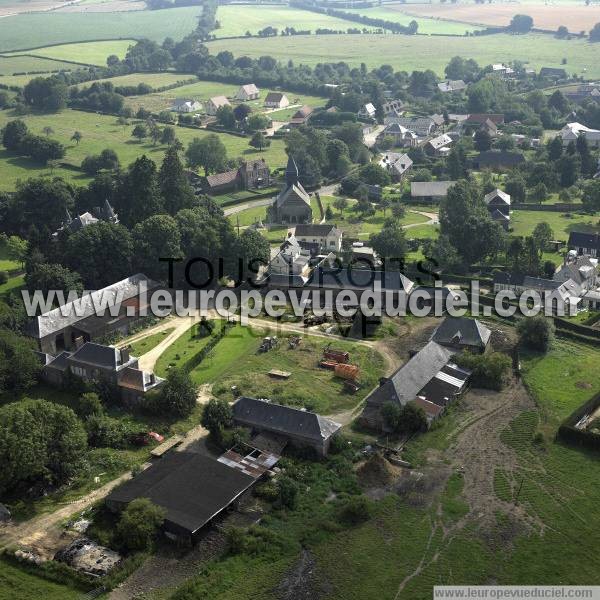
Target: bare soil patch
[(575, 17)]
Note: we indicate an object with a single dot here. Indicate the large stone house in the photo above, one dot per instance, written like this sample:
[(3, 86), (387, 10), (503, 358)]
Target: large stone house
[(247, 92), (422, 126), (401, 136), (292, 205), (320, 237), (99, 363), (251, 174)]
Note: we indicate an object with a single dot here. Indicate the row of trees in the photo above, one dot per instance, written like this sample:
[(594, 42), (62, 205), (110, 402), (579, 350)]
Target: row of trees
[(17, 138)]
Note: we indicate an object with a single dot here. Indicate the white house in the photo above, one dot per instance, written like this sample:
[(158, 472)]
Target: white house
[(328, 237), (247, 92), (571, 131), (276, 100), (213, 104), (367, 111), (181, 105)]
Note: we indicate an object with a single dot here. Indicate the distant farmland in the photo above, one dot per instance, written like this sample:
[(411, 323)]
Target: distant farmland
[(421, 52), (37, 30), (89, 53), (576, 17)]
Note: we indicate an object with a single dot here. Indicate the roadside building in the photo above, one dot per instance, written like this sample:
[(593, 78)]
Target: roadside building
[(325, 237)]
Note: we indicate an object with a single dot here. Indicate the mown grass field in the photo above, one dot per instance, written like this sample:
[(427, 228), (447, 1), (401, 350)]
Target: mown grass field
[(37, 30), (156, 80), (235, 360), (149, 342), (102, 131), (408, 53), (236, 20), (203, 90), (395, 13), (89, 53), (523, 222)]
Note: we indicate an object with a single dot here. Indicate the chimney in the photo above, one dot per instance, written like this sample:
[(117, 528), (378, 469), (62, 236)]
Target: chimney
[(152, 378), (125, 355)]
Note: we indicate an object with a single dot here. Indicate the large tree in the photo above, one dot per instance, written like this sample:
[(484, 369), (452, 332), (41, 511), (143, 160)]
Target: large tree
[(390, 242), (208, 153), (177, 193)]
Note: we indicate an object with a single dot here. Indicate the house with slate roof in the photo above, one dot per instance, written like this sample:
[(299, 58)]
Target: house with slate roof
[(430, 379), (292, 205), (429, 191), (398, 165), (400, 135), (498, 205), (452, 85), (585, 243), (583, 270), (99, 213), (300, 428)]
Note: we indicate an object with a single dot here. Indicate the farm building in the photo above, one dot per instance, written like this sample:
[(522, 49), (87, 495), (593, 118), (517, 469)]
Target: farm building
[(214, 104), (298, 427), (396, 164), (247, 92), (429, 379), (182, 105), (422, 126), (251, 174), (276, 100), (498, 159), (292, 205), (193, 489), (462, 333), (71, 325), (429, 191)]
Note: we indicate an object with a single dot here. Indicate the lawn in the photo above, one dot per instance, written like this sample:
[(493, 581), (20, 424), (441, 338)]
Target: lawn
[(18, 583), (235, 20), (408, 53), (149, 342), (523, 222), (89, 53), (236, 361), (249, 216), (203, 90), (396, 14), (37, 30), (14, 283), (100, 132)]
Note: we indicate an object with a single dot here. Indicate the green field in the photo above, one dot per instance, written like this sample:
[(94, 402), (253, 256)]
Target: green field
[(427, 26), (89, 53), (523, 222), (36, 30), (203, 90), (408, 53), (102, 131), (18, 583), (28, 64), (235, 20), (149, 342), (156, 80)]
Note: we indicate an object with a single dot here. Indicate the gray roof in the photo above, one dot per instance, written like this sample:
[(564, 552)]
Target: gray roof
[(295, 191), (396, 161), (283, 419), (315, 229), (404, 385), (59, 318), (430, 188), (462, 331), (99, 355), (193, 488), (452, 85), (60, 363)]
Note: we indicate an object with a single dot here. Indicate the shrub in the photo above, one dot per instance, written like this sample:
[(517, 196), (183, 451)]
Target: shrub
[(354, 510), (536, 333), (139, 524), (490, 371)]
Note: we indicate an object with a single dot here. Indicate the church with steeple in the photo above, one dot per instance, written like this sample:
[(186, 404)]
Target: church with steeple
[(292, 205)]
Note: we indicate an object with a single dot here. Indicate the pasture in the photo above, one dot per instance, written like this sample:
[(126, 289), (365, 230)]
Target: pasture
[(37, 30), (156, 80), (103, 131), (89, 53), (236, 20), (29, 64), (408, 53), (203, 90), (576, 17), (523, 222), (400, 14)]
